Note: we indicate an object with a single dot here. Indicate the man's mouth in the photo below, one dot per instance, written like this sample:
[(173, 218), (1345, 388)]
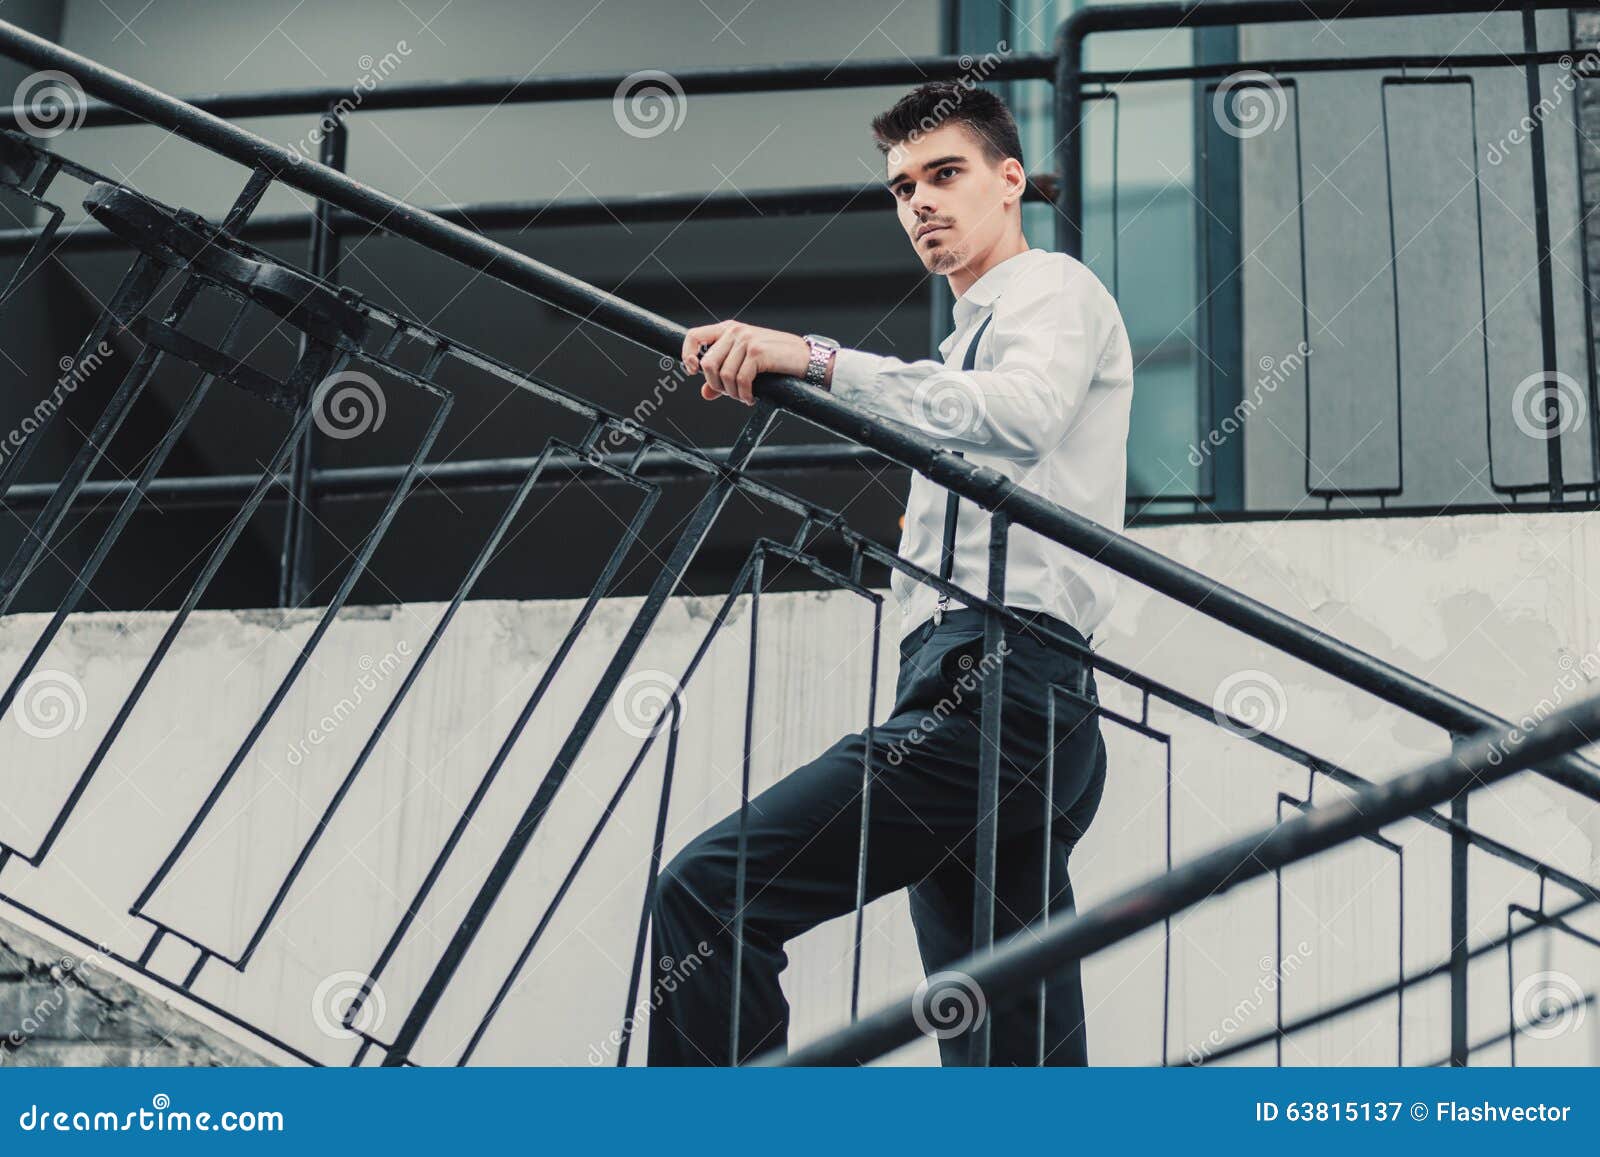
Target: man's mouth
[(928, 231)]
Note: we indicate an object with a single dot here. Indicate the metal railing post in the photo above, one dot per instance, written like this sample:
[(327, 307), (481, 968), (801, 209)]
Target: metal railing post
[(1069, 134), (1458, 931), (299, 514), (1554, 404), (988, 831)]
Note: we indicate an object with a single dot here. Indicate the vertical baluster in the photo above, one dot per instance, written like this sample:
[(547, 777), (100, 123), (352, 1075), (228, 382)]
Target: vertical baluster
[(656, 845), (741, 867), (866, 813), (1458, 932), (988, 829), (294, 575)]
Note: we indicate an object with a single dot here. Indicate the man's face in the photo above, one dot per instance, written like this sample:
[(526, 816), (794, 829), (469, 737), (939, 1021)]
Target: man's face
[(951, 199)]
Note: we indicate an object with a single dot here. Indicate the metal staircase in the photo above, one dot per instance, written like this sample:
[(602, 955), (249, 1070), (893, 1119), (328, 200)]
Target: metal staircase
[(349, 349)]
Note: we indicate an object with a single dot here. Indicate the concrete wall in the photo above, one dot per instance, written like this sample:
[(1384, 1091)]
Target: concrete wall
[(1497, 609)]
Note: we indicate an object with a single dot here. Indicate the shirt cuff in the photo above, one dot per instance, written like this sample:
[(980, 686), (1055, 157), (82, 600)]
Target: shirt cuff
[(854, 373)]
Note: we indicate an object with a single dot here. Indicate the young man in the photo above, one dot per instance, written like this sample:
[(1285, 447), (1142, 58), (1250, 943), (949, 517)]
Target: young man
[(1036, 383)]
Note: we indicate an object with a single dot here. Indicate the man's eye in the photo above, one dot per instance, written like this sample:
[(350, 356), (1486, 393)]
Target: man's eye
[(947, 169)]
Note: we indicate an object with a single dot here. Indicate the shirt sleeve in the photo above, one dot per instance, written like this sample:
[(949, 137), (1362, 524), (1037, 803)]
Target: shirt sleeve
[(1047, 340)]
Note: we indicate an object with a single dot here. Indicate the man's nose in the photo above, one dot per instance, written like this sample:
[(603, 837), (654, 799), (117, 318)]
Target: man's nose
[(922, 206)]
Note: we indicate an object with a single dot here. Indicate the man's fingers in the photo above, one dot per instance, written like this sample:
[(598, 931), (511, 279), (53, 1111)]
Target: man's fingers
[(728, 371), (698, 340)]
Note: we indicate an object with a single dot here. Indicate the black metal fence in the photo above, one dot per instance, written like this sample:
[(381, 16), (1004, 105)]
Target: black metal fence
[(183, 264), (1488, 429)]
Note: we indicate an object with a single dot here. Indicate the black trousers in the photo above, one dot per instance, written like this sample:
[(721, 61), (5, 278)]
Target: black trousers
[(803, 839)]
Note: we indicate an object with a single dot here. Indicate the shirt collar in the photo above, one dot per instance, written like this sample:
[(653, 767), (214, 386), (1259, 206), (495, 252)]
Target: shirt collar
[(984, 291)]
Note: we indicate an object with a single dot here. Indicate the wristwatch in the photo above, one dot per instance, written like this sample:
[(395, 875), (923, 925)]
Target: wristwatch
[(822, 351)]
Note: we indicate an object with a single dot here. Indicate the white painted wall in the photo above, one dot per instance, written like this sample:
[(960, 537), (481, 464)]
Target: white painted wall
[(1497, 609)]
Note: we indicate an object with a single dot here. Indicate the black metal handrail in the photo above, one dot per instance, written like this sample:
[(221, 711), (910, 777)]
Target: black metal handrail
[(987, 488)]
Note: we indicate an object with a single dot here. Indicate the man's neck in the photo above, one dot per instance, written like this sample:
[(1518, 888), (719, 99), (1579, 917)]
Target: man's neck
[(962, 279)]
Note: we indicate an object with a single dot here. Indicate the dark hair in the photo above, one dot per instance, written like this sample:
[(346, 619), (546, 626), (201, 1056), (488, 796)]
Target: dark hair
[(940, 102)]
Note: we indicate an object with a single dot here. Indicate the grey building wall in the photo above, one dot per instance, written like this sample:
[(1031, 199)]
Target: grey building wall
[(1420, 399)]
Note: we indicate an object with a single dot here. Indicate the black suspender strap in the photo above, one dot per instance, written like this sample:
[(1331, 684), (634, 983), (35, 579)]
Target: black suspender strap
[(947, 556)]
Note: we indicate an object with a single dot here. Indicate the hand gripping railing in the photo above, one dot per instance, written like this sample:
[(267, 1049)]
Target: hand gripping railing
[(1009, 504)]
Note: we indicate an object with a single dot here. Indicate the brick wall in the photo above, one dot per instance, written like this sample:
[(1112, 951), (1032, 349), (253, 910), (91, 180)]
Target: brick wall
[(59, 1008), (1586, 40)]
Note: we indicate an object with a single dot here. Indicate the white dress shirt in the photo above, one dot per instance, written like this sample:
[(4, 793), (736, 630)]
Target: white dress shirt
[(1047, 407)]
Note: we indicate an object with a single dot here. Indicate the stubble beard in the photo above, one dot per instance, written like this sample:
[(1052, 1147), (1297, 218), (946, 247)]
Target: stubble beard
[(945, 260)]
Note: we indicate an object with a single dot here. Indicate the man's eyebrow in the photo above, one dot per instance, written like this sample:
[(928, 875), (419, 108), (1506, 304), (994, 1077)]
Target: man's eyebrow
[(939, 163)]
